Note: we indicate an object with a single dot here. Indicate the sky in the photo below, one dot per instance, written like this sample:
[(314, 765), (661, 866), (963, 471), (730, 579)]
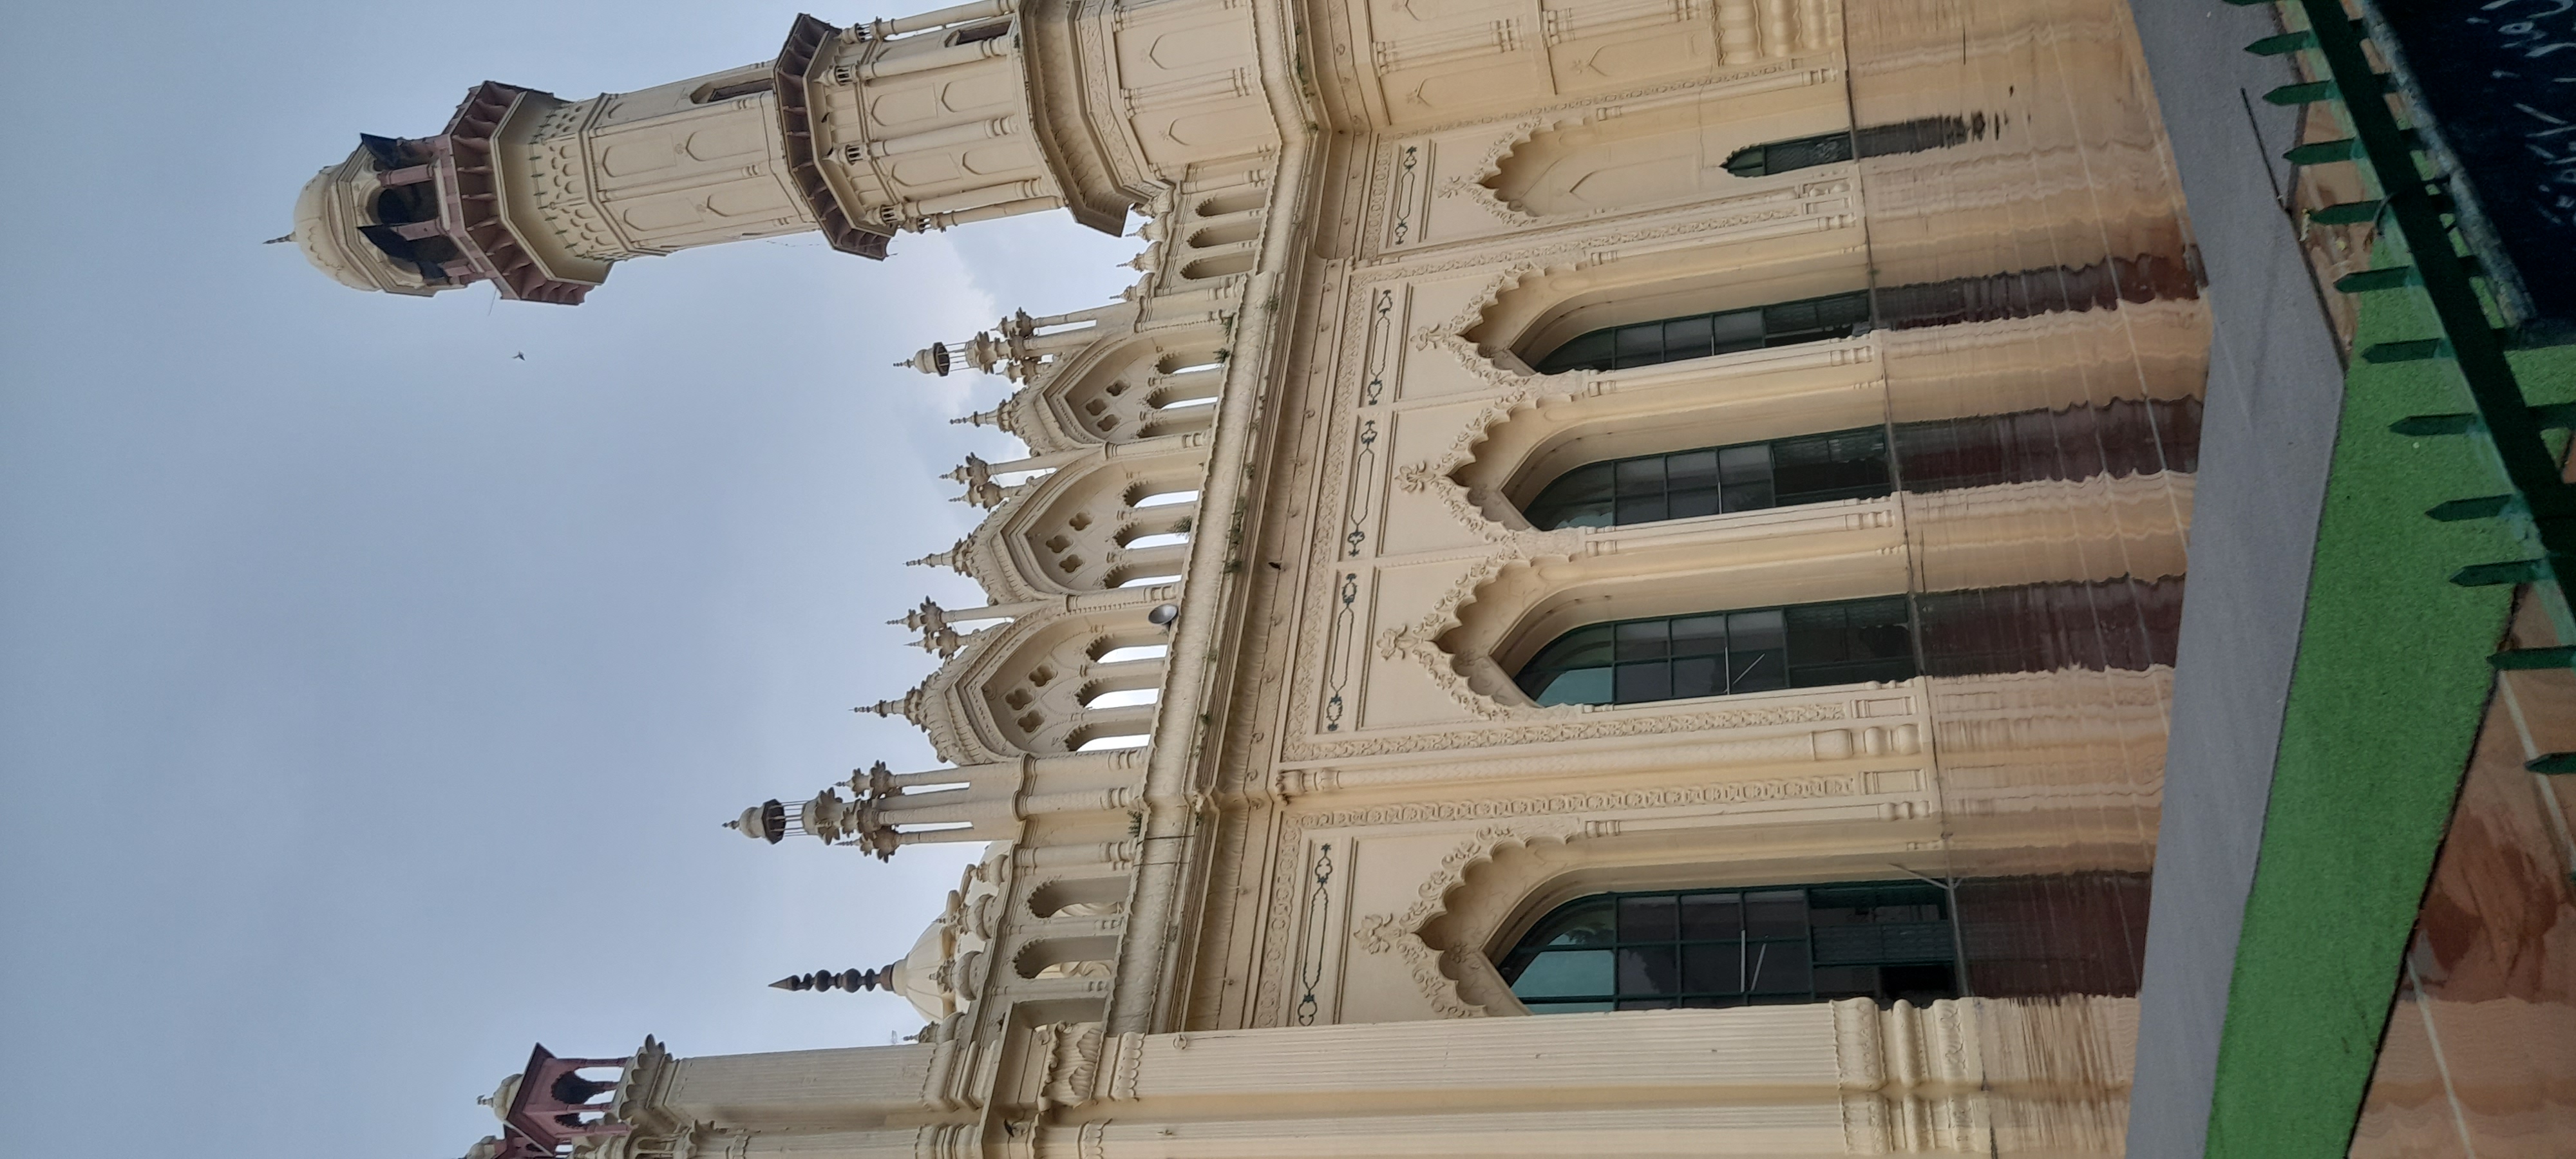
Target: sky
[(370, 696)]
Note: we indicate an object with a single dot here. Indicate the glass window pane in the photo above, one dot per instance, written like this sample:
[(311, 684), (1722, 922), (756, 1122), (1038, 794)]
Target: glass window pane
[(1645, 509), (1699, 635), (1647, 917), (1585, 352), (1756, 671), (1576, 496), (1843, 309), (1750, 497), (1598, 513), (1582, 647), (1816, 635), (1697, 676), (1687, 338), (1848, 943), (1764, 629), (1641, 476), (1717, 968), (1582, 923), (1645, 1004), (1644, 683), (1882, 641), (1845, 906), (1789, 319), (1644, 640), (1833, 982), (1779, 913), (1575, 686), (1740, 330), (1647, 971), (1692, 503), (1566, 974), (1745, 464), (1691, 468), (1712, 916), (1640, 345), (1778, 968)]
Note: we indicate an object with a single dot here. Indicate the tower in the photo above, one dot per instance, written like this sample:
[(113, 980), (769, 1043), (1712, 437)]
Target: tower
[(960, 115)]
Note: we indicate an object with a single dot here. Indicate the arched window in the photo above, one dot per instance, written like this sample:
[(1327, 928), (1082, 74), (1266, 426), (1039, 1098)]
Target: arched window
[(1883, 941), (1703, 335), (2122, 437), (1725, 653), (1848, 464)]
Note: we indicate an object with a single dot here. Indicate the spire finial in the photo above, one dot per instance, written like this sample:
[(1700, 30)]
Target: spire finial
[(931, 360), (955, 557), (905, 706), (850, 981)]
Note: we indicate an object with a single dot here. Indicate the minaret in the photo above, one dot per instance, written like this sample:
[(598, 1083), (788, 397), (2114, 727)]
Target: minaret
[(857, 133)]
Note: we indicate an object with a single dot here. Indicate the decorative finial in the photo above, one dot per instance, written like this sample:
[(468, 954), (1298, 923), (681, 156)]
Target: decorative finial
[(850, 981), (766, 821), (955, 557), (928, 615), (931, 360)]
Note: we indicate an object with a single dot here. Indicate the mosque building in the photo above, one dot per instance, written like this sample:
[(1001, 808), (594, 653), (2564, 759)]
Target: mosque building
[(1612, 588)]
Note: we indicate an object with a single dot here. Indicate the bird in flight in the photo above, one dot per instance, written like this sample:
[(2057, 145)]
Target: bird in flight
[(521, 356)]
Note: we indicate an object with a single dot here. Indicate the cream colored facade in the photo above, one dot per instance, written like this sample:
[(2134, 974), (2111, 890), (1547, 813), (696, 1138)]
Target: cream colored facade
[(1270, 925)]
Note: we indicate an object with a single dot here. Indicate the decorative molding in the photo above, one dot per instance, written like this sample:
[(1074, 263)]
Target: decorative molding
[(1318, 919), (1596, 801), (1401, 933), (1072, 1063), (1382, 169), (1419, 642), (1362, 507), (1586, 726)]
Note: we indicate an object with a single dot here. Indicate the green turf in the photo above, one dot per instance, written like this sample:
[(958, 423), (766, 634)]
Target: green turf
[(2385, 699)]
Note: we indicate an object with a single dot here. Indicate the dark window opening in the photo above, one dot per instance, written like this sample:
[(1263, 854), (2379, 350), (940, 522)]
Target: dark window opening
[(1725, 653), (1913, 136), (1703, 335), (391, 152), (1848, 464), (709, 94), (2101, 285), (404, 204), (2123, 624), (427, 256), (2118, 439), (1884, 941), (982, 32)]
